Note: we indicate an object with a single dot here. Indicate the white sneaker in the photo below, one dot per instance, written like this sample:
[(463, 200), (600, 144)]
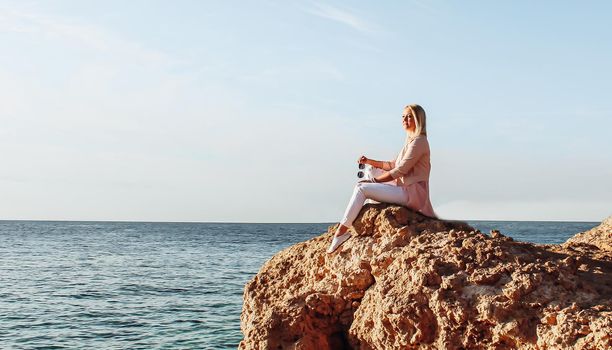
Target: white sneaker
[(337, 241)]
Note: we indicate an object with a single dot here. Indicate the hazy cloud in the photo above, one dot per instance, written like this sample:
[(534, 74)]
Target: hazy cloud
[(52, 27), (342, 16)]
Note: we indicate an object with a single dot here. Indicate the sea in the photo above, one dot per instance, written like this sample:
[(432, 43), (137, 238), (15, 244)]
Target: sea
[(139, 285)]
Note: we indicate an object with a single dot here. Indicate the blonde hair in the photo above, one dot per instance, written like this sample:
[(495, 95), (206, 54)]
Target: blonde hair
[(419, 117)]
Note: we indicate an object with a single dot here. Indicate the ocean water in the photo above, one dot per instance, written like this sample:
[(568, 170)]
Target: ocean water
[(118, 285)]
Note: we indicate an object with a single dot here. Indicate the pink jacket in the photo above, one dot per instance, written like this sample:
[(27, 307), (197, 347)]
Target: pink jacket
[(411, 171)]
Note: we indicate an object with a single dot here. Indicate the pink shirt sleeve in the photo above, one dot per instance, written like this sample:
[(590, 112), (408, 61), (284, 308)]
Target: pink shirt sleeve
[(388, 165), (415, 150)]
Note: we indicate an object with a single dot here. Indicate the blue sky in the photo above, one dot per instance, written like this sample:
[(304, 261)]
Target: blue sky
[(256, 111)]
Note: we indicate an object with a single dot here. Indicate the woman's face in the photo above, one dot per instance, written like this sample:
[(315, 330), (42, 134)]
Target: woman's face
[(408, 120)]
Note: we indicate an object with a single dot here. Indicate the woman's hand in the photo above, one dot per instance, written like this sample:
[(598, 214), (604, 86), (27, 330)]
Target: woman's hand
[(362, 160)]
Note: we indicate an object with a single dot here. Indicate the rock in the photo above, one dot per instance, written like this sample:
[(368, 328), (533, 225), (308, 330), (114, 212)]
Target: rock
[(405, 281), (600, 237)]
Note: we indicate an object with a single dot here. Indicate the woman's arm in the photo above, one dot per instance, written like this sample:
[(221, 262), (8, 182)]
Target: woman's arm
[(388, 165), (385, 177), (378, 163), (410, 158)]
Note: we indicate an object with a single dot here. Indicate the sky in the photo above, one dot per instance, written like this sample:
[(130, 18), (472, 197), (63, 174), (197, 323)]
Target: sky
[(257, 111)]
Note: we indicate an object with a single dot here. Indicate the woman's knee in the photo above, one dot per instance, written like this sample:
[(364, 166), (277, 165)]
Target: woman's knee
[(361, 190), (366, 189)]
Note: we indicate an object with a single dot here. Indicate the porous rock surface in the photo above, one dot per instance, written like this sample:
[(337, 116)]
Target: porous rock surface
[(405, 281), (600, 237)]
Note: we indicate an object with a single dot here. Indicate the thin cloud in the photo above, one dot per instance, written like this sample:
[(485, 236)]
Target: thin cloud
[(341, 16), (86, 35)]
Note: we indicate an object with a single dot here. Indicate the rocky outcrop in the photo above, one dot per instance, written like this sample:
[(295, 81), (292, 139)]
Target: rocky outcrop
[(405, 281), (600, 237)]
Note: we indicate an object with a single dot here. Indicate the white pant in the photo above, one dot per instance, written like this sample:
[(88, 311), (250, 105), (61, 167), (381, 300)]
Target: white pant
[(379, 192)]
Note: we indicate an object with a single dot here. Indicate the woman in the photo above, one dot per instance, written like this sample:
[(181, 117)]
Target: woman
[(405, 180)]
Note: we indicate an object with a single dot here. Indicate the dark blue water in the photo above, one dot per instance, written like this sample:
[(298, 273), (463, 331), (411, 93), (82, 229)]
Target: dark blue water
[(151, 285)]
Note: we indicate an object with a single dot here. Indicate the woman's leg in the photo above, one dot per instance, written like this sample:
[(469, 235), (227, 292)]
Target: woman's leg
[(378, 192)]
